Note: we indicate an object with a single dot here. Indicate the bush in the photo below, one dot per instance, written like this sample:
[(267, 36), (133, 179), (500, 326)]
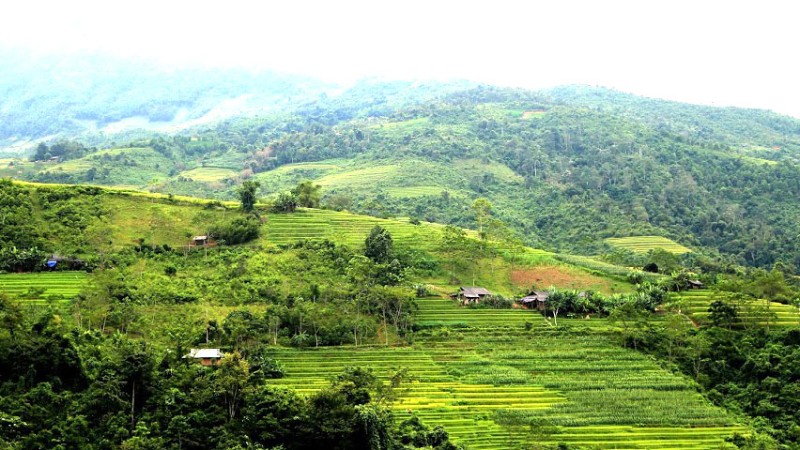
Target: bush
[(493, 302), (237, 231)]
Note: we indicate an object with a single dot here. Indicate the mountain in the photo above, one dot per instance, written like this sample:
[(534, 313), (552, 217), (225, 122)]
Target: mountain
[(564, 168)]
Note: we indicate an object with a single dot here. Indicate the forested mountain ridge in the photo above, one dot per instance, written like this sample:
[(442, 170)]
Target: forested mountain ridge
[(719, 180)]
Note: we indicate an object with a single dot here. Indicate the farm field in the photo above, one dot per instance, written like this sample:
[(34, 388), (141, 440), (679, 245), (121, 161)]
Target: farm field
[(344, 228), (208, 174), (643, 244), (696, 303), (581, 386), (42, 288)]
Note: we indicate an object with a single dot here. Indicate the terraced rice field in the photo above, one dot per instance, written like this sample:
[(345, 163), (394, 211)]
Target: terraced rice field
[(43, 288), (588, 391), (696, 303), (344, 228), (643, 244)]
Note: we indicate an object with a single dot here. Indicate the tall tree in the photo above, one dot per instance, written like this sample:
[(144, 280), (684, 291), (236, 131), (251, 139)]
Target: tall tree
[(247, 194), (483, 211), (378, 245), (308, 194)]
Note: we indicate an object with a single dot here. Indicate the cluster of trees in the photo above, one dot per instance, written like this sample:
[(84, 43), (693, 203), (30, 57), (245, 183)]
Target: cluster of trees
[(63, 150), (83, 389), (572, 303)]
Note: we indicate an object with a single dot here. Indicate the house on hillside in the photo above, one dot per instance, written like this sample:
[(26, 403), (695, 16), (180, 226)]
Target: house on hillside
[(470, 294), (535, 300), (200, 240), (695, 284), (207, 356)]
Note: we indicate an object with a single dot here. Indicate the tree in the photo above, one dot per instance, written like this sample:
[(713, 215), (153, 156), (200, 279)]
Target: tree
[(722, 313), (378, 245), (10, 314), (483, 211), (456, 247), (286, 202), (769, 286), (247, 194), (308, 194), (230, 381)]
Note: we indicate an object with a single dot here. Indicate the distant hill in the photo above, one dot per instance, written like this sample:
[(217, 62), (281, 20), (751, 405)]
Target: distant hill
[(98, 98), (564, 168)]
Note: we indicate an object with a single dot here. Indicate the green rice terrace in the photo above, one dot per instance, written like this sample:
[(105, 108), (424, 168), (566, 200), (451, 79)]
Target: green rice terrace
[(43, 288), (643, 244), (761, 312), (487, 368)]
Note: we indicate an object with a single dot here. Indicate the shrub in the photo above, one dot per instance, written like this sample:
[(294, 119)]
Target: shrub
[(237, 231)]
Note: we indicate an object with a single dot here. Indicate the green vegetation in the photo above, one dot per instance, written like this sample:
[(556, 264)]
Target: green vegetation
[(372, 295), (627, 166), (643, 244), (352, 312), (44, 288)]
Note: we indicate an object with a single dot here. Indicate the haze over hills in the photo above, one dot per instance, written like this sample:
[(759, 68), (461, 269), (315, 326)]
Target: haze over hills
[(101, 97)]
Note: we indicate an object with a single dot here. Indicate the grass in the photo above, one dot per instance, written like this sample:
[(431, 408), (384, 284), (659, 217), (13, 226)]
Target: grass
[(643, 244), (416, 191), (126, 167), (371, 176), (208, 174), (475, 168), (43, 287)]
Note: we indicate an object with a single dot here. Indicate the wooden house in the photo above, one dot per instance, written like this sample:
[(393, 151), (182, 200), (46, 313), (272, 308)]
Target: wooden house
[(470, 294), (200, 240), (207, 356), (535, 300), (695, 284)]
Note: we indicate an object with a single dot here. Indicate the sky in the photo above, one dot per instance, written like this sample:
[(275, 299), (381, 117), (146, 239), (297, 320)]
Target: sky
[(710, 52)]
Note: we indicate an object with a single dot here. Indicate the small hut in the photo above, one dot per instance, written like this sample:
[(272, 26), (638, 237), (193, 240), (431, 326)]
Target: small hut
[(695, 284), (207, 356), (200, 240), (535, 300), (471, 294)]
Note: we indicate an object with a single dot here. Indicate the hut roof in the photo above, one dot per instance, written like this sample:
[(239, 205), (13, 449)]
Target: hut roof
[(473, 292), (200, 238), (202, 353)]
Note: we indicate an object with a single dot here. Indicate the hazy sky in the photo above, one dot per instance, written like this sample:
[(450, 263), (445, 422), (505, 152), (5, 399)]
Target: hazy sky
[(725, 53)]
